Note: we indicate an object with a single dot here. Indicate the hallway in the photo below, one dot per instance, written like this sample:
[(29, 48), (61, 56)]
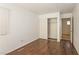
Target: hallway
[(46, 47)]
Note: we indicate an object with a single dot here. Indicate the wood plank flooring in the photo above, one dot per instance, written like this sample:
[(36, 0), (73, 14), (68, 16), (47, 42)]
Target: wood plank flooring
[(46, 47)]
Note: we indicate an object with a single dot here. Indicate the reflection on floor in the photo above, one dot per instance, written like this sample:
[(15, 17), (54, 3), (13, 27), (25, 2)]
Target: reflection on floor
[(46, 47)]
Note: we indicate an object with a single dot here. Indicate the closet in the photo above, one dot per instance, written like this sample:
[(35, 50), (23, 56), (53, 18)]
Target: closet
[(52, 28)]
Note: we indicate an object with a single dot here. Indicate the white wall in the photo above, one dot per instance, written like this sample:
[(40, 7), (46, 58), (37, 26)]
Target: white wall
[(44, 24), (4, 16), (23, 28), (76, 27)]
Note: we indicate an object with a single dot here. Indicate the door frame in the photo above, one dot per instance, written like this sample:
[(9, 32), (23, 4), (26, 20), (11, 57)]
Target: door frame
[(48, 26)]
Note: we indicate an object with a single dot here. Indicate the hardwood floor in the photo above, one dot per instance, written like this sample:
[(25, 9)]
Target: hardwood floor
[(46, 47)]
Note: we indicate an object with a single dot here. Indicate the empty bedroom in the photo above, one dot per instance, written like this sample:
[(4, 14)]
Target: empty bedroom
[(39, 29)]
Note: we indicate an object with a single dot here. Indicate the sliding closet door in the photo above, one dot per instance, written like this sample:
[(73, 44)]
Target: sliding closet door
[(52, 28), (4, 13)]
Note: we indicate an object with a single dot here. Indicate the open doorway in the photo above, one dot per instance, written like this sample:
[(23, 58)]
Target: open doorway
[(67, 29), (52, 28)]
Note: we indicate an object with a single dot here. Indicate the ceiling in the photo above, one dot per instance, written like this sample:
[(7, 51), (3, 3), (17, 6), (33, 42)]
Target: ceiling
[(42, 8)]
